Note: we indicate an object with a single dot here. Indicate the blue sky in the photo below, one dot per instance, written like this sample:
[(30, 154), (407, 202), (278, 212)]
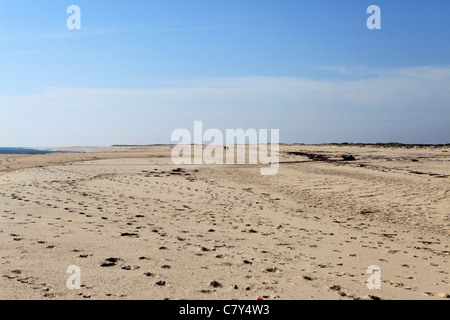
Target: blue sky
[(138, 70)]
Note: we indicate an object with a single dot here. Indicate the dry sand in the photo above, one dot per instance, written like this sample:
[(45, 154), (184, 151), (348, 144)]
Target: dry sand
[(139, 230)]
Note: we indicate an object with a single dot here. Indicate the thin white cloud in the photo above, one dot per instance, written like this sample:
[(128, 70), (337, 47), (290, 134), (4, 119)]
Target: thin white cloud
[(405, 105), (349, 70), (64, 33)]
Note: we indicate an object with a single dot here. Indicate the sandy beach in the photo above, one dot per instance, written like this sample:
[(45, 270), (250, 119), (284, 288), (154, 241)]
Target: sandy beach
[(140, 227)]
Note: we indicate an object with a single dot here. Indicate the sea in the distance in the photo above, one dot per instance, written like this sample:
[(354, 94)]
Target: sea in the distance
[(31, 151)]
